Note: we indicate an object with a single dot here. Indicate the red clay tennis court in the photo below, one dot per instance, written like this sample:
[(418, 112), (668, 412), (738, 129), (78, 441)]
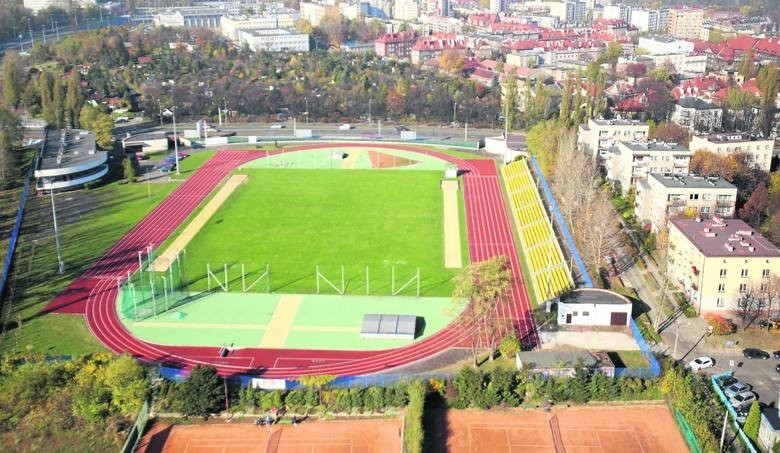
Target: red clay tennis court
[(582, 429), (375, 435)]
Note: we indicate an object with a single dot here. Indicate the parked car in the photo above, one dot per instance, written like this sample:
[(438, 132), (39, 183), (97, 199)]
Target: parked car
[(735, 388), (277, 126), (701, 363), (754, 353), (777, 368), (744, 399), (776, 354), (345, 127), (164, 167), (122, 119), (141, 156), (725, 381)]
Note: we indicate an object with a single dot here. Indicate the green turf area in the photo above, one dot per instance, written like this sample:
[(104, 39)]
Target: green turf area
[(105, 214), (294, 220), (331, 158), (321, 322)]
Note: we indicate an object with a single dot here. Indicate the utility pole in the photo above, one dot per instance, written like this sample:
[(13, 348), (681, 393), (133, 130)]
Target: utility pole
[(175, 140), (21, 44), (369, 111), (60, 263), (32, 39), (43, 31)]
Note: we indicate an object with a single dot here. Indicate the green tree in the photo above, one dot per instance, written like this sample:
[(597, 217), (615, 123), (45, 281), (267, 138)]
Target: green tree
[(12, 79), (99, 122), (58, 101), (510, 102), (415, 433), (128, 170), (127, 384), (468, 383), (201, 393), (580, 384), (318, 382), (10, 139), (753, 421), (565, 110), (510, 346), (768, 82), (746, 65), (503, 382), (45, 82), (74, 99)]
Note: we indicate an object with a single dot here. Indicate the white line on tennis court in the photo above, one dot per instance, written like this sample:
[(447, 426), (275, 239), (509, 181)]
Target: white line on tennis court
[(598, 438), (641, 448)]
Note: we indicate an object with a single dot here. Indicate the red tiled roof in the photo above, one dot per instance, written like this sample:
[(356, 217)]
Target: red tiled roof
[(769, 46), (388, 38), (146, 59), (742, 43), (438, 44)]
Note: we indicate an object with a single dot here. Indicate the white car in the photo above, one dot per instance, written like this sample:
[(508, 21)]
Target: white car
[(701, 363), (277, 126), (345, 127), (736, 388)]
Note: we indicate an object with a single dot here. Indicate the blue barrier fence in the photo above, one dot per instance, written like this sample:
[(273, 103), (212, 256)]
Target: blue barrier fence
[(748, 443), (9, 256), (561, 222)]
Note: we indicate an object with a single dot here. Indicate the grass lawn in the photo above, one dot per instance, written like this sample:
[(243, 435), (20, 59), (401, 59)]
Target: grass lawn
[(296, 219), (90, 221), (193, 162), (631, 359)]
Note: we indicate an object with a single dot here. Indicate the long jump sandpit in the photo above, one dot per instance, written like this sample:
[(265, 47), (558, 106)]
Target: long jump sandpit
[(337, 436), (162, 262), (607, 429)]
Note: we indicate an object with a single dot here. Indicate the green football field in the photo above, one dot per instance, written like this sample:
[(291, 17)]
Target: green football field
[(293, 220)]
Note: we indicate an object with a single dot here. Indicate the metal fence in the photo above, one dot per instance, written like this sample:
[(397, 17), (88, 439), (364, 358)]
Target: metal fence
[(746, 440), (137, 430), (687, 432), (9, 256), (472, 145)]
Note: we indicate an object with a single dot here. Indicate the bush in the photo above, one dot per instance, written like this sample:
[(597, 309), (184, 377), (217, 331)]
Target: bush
[(509, 347), (720, 325), (413, 433)]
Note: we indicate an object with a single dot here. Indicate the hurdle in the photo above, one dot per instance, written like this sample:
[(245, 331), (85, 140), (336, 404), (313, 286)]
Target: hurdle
[(319, 276)]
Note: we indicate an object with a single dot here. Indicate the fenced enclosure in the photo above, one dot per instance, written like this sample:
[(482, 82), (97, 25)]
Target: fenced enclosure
[(147, 294)]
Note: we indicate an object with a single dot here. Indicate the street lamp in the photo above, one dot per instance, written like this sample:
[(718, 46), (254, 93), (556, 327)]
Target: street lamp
[(369, 110), (21, 45), (60, 263), (454, 107), (175, 139), (676, 337)]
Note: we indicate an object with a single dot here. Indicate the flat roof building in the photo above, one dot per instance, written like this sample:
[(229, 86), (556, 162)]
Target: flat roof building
[(663, 196), (719, 263), (758, 151), (275, 40), (597, 136), (69, 160), (631, 162)]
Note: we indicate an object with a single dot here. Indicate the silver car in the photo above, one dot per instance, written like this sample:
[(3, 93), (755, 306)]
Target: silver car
[(743, 399), (735, 388)]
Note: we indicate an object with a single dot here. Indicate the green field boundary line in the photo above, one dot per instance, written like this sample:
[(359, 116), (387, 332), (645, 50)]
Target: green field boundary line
[(464, 236), (527, 275)]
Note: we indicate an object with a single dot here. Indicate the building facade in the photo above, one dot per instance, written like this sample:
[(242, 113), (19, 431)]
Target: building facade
[(499, 6), (274, 40), (697, 115), (398, 45), (598, 136), (685, 23), (721, 263), (593, 307), (189, 17), (69, 160), (231, 25), (406, 10), (663, 196), (757, 151), (631, 162)]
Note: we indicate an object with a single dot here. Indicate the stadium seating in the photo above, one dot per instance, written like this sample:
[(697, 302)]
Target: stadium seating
[(550, 275)]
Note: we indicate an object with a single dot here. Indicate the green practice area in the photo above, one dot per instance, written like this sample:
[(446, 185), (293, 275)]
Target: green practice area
[(253, 320)]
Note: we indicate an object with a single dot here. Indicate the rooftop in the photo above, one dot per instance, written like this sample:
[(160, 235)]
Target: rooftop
[(78, 147), (732, 138), (726, 237), (696, 103), (772, 415), (271, 32), (593, 296), (653, 146), (618, 122), (692, 181)]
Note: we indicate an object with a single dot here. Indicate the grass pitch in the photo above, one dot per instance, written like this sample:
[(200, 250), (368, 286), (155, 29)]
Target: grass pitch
[(294, 220)]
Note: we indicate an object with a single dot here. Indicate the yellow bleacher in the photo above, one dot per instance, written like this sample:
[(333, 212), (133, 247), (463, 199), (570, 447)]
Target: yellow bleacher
[(550, 275)]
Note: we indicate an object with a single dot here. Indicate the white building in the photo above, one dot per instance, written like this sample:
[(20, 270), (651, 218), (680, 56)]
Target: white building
[(594, 307), (660, 45), (598, 136), (189, 17), (663, 196), (697, 115), (231, 25), (652, 21), (758, 151), (69, 160), (315, 12), (499, 6), (621, 12), (276, 40), (691, 63), (631, 162)]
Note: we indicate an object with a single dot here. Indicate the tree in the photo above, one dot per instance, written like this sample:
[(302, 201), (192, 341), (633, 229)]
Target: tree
[(12, 79), (768, 82), (451, 60), (128, 170), (127, 384), (73, 99), (510, 346), (99, 122), (45, 83), (201, 393), (318, 381), (746, 65), (753, 421), (10, 139), (58, 101), (510, 102), (483, 288), (565, 109), (754, 210), (671, 132)]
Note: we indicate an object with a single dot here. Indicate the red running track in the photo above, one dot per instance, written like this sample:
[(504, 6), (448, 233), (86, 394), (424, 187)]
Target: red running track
[(94, 293)]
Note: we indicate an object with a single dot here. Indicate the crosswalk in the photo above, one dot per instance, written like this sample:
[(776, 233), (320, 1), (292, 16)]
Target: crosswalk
[(550, 276)]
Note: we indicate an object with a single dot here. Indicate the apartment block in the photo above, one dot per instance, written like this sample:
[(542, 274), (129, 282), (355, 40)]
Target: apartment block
[(397, 45), (274, 40), (598, 136), (631, 162), (685, 23), (231, 25), (697, 115), (315, 12), (664, 196), (758, 151), (406, 10), (719, 263)]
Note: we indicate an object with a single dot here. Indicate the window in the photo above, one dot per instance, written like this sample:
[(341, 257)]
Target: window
[(744, 273), (574, 314), (705, 210), (585, 313), (719, 302), (693, 196), (743, 287), (764, 287), (765, 273), (706, 196), (723, 273), (722, 288)]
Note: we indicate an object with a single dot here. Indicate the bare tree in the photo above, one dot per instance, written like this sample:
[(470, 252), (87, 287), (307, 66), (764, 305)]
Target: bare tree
[(597, 225), (574, 175), (750, 304)]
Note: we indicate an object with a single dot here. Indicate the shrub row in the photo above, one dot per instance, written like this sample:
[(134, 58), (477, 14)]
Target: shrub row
[(413, 427)]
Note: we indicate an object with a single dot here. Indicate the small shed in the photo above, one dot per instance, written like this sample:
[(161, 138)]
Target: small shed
[(593, 307), (564, 363), (769, 429)]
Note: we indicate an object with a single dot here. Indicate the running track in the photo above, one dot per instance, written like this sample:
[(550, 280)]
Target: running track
[(94, 293)]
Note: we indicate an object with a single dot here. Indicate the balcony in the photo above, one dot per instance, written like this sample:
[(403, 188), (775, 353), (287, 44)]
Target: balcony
[(724, 203), (675, 203)]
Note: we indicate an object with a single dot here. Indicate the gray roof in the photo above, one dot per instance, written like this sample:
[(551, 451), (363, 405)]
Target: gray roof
[(78, 148), (388, 324), (726, 238), (692, 181), (594, 296), (618, 122), (653, 146), (732, 137), (696, 103), (772, 416)]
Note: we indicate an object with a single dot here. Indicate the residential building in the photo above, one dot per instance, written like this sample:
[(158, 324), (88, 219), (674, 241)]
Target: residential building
[(499, 6), (685, 23), (697, 115), (661, 45), (69, 160), (690, 63), (397, 45), (274, 40), (38, 5), (593, 307), (769, 428), (189, 17), (426, 49), (576, 11), (443, 8), (406, 10), (757, 151), (622, 12), (597, 136), (315, 12), (631, 162), (720, 263), (651, 21), (231, 25), (663, 196)]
